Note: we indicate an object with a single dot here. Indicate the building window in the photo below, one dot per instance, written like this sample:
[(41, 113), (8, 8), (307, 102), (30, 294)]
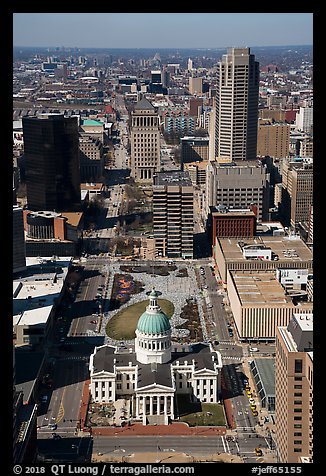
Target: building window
[(298, 366), (119, 386), (297, 450)]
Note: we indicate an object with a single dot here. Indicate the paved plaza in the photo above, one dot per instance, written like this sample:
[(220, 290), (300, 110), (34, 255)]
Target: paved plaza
[(177, 289)]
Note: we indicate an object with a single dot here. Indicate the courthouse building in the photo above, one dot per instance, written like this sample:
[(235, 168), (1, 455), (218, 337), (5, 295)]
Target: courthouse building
[(151, 373)]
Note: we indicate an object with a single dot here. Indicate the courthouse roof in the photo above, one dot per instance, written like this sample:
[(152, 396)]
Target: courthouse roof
[(144, 104)]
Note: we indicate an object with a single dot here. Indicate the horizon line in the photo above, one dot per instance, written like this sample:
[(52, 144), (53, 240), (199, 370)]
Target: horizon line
[(160, 47)]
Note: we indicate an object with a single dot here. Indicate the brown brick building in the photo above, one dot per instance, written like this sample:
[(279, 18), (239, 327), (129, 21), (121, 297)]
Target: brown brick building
[(233, 223), (273, 139)]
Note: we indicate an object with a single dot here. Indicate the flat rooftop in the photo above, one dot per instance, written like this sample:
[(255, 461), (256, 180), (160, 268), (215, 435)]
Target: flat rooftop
[(259, 288), (232, 212), (175, 177), (73, 218), (287, 249)]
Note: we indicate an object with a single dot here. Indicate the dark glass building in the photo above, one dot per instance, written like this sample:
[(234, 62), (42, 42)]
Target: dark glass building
[(51, 149)]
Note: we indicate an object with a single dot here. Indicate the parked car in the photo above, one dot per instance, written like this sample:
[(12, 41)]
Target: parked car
[(52, 426), (258, 452)]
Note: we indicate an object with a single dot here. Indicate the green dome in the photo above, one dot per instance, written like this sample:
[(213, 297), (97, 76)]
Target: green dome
[(157, 323), (153, 320)]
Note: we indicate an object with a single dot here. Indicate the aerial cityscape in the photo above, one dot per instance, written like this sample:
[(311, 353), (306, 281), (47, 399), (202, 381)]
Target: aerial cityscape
[(162, 245)]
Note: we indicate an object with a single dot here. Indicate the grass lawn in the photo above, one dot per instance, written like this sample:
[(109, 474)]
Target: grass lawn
[(201, 414), (123, 324)]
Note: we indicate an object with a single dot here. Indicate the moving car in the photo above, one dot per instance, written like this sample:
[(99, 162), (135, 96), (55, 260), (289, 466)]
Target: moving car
[(258, 452)]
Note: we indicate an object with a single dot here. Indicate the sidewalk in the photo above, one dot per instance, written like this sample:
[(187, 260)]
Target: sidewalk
[(159, 430), (167, 457)]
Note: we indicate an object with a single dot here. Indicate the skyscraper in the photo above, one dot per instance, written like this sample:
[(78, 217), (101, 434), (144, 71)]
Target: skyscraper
[(145, 142), (297, 191), (19, 248), (173, 220), (51, 151), (237, 105), (294, 389), (238, 185)]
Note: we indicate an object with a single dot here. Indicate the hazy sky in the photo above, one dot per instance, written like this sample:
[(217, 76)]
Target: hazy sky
[(162, 30)]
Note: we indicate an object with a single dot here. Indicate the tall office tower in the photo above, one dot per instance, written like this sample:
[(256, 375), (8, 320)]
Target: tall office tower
[(156, 76), (145, 142), (237, 105), (212, 130), (194, 148), (19, 247), (165, 77), (238, 185), (307, 147), (305, 119), (173, 220), (195, 85), (273, 140), (294, 390), (195, 106), (297, 190), (51, 152), (190, 64)]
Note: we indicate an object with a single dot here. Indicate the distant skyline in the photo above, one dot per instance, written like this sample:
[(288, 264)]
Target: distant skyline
[(161, 30)]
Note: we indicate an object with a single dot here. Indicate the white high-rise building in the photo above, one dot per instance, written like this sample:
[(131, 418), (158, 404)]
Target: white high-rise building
[(304, 119), (237, 105)]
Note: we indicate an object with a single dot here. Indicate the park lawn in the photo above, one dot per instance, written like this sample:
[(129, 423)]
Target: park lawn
[(122, 326), (211, 414)]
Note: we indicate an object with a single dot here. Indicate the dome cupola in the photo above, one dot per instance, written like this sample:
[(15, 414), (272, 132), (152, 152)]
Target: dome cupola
[(153, 333)]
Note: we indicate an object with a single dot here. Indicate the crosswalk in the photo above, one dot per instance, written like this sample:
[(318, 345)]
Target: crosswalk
[(231, 357), (79, 357)]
